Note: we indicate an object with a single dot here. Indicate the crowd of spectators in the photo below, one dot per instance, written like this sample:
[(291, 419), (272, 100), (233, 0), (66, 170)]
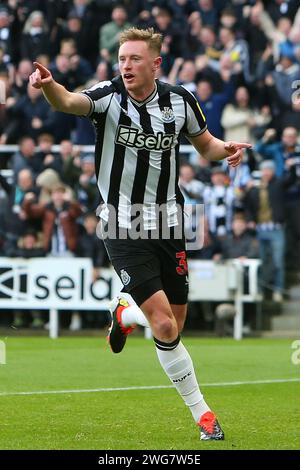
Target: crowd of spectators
[(240, 58)]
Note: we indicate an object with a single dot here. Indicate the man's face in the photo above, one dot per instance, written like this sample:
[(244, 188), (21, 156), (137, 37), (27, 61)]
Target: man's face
[(289, 136), (90, 224), (242, 96), (119, 16), (25, 69), (163, 19), (238, 227), (186, 174), (204, 90), (225, 36), (137, 64), (25, 180), (218, 179), (188, 72), (207, 37), (29, 242), (66, 148), (27, 147), (45, 145), (267, 174), (88, 168)]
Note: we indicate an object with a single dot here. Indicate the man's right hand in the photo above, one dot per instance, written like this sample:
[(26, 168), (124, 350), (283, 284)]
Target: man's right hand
[(59, 98), (41, 76)]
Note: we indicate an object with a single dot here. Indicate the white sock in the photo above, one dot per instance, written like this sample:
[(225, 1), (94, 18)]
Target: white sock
[(133, 315), (177, 363)]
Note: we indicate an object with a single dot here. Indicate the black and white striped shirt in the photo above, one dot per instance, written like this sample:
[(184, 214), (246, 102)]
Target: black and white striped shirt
[(137, 145)]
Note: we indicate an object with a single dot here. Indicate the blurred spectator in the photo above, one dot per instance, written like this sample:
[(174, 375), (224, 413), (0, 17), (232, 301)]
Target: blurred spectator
[(79, 68), (240, 243), (84, 132), (211, 248), (90, 245), (238, 119), (203, 170), (183, 73), (172, 45), (60, 69), (279, 151), (264, 205), (4, 113), (191, 188), (228, 18), (209, 50), (280, 85), (239, 178), (3, 66), (70, 156), (44, 155), (32, 113), (213, 104), (15, 220), (24, 157), (46, 181), (6, 40), (182, 11), (69, 68), (219, 203), (255, 33), (103, 71), (282, 8), (236, 52), (43, 59), (208, 12), (28, 247), (35, 39), (60, 231), (110, 32), (92, 14), (19, 87), (192, 35), (86, 190), (69, 29)]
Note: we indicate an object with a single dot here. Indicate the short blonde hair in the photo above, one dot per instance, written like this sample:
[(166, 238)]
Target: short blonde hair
[(154, 40)]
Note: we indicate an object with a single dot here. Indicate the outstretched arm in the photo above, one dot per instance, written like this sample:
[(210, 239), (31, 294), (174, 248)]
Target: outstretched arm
[(214, 149), (57, 95)]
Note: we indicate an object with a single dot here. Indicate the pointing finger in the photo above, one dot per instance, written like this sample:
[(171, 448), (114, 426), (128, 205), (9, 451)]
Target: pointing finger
[(40, 67), (237, 145)]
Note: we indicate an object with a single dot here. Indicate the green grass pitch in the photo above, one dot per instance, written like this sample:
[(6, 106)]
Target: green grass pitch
[(254, 416)]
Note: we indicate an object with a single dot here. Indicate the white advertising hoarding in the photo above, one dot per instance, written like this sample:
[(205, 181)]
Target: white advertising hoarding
[(55, 283)]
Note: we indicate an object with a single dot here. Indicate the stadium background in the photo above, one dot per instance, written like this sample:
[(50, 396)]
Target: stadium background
[(241, 59)]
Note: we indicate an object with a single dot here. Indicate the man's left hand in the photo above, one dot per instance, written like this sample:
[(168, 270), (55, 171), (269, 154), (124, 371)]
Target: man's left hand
[(235, 150)]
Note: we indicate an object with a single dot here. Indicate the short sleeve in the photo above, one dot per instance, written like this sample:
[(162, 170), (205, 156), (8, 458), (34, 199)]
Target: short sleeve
[(100, 96), (195, 120)]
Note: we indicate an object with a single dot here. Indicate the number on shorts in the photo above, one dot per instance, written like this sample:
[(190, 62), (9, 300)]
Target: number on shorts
[(182, 268)]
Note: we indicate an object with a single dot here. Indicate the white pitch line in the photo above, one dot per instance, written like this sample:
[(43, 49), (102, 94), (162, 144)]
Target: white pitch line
[(148, 387)]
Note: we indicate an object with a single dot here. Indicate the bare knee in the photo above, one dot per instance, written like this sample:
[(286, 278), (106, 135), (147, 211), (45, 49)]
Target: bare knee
[(164, 328), (161, 317)]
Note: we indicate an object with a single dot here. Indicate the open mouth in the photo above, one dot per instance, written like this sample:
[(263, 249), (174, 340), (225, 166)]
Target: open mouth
[(128, 76)]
